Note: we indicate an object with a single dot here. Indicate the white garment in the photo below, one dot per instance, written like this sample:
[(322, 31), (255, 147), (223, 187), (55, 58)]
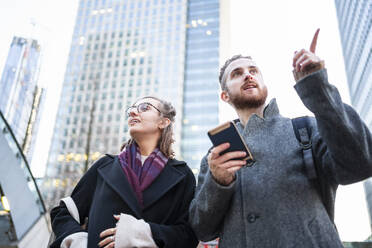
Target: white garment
[(143, 158), (75, 240), (131, 232)]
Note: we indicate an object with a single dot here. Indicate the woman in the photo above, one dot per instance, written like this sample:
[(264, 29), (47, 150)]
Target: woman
[(147, 190)]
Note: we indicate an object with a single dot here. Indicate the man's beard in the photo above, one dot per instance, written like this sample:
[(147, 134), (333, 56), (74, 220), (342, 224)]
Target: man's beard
[(243, 102)]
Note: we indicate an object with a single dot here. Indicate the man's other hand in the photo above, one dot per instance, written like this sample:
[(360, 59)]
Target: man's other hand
[(306, 61)]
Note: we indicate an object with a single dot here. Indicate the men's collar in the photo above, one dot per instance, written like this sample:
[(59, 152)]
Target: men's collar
[(255, 121), (271, 109)]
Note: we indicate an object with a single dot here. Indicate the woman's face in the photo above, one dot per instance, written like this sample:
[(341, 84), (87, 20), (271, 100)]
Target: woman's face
[(145, 119)]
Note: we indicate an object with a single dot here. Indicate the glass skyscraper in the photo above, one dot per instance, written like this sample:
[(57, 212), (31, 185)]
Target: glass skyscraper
[(122, 50), (200, 105), (20, 96), (355, 25)]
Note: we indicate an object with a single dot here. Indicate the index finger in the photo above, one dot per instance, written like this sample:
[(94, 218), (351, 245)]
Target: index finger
[(215, 152), (313, 42)]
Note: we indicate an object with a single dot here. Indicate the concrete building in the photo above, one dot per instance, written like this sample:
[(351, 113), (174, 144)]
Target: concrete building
[(122, 50)]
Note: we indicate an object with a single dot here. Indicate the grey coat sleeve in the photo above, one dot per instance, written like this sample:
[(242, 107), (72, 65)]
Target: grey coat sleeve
[(342, 142), (210, 203)]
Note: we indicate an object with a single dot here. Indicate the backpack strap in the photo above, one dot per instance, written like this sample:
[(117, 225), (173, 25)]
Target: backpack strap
[(301, 127), (326, 191)]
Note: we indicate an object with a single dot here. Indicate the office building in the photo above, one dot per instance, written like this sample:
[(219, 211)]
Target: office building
[(355, 25), (20, 95), (122, 50)]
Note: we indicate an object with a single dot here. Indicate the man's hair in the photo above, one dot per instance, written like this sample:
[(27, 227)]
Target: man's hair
[(223, 68)]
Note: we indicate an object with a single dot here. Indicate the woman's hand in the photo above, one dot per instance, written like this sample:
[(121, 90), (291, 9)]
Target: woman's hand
[(110, 233), (109, 241)]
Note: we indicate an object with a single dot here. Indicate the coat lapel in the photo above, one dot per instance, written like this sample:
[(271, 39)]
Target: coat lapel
[(114, 176), (165, 181)]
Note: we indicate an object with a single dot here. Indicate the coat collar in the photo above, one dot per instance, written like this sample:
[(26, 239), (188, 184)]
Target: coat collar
[(114, 176), (255, 121), (166, 180)]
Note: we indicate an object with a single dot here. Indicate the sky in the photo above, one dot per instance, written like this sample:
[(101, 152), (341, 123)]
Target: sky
[(268, 30)]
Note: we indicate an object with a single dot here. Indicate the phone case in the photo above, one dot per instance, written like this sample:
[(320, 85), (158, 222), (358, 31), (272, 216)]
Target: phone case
[(227, 132)]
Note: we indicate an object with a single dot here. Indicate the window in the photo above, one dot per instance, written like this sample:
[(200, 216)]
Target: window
[(120, 105)]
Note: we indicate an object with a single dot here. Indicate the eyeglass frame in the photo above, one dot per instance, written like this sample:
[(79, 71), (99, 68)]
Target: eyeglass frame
[(128, 110)]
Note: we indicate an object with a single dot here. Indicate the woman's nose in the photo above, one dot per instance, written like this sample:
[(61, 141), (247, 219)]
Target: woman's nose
[(133, 112)]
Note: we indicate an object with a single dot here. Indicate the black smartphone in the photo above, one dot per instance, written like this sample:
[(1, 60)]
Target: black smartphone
[(228, 132)]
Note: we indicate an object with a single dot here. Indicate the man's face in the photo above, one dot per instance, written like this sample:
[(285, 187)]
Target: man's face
[(245, 88)]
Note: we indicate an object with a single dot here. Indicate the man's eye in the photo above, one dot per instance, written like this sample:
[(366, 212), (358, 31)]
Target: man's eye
[(253, 71), (236, 73)]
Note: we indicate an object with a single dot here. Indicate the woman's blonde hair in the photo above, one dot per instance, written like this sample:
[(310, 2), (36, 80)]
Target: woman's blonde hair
[(166, 138)]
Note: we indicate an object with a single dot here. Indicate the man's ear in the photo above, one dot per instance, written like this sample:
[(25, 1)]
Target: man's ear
[(164, 123), (225, 96)]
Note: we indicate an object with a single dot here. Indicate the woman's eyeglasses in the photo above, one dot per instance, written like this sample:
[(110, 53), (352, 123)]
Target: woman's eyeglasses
[(142, 107)]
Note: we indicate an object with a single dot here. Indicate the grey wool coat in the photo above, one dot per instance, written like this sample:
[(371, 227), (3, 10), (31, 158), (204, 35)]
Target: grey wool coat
[(273, 203)]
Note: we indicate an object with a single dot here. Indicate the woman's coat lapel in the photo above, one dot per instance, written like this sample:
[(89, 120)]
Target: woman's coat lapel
[(114, 176)]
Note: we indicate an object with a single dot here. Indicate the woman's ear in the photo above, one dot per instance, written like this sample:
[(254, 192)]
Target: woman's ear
[(164, 123)]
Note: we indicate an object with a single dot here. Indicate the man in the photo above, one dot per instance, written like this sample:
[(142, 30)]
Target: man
[(273, 203)]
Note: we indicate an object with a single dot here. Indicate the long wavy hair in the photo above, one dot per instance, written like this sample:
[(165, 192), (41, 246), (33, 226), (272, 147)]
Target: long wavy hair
[(166, 139)]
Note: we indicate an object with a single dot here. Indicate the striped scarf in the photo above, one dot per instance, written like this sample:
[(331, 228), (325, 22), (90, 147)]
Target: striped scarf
[(141, 176)]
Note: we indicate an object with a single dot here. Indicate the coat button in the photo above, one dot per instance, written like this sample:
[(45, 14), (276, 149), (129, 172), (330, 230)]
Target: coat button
[(252, 217)]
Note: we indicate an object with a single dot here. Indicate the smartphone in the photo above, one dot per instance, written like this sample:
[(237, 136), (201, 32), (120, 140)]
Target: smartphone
[(228, 132)]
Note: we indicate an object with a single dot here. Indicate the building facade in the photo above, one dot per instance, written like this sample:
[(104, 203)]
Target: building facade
[(200, 105), (120, 51), (20, 95), (355, 25)]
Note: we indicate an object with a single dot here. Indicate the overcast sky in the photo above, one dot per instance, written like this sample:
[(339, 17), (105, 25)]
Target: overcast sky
[(269, 31)]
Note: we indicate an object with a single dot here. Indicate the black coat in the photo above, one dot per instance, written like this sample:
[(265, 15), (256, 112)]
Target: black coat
[(104, 190)]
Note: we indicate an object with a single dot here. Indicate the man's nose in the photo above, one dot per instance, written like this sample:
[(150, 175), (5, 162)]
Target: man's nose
[(248, 76)]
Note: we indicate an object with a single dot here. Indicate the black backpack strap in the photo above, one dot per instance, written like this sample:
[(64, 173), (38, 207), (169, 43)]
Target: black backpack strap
[(302, 130), (301, 127)]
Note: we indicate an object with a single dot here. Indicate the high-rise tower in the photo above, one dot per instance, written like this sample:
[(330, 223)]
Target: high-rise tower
[(122, 50), (355, 25), (20, 95), (200, 105)]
